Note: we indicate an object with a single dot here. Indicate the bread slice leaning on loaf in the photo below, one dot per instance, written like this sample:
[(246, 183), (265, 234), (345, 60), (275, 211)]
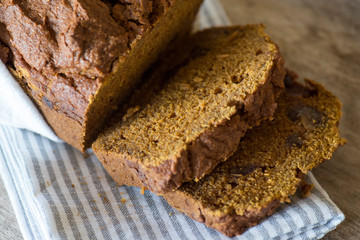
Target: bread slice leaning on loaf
[(268, 165), (79, 59), (226, 83)]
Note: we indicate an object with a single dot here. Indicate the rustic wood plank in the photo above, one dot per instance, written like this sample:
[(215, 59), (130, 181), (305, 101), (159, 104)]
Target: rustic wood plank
[(320, 40)]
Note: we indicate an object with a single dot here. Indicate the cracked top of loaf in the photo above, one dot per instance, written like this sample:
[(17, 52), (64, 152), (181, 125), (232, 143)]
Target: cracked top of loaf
[(64, 49)]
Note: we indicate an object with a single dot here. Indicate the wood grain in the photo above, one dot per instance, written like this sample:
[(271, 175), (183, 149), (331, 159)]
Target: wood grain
[(320, 40)]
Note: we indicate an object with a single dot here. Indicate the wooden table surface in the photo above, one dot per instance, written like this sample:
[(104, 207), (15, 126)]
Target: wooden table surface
[(320, 40)]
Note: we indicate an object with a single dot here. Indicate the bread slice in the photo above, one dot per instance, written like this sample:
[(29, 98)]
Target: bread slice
[(227, 84), (79, 59), (267, 166)]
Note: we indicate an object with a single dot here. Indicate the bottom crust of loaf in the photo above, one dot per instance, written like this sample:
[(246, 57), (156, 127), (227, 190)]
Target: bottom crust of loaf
[(230, 224)]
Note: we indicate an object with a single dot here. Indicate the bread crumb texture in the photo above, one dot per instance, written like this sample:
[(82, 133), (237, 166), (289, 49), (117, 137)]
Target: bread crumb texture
[(270, 158), (225, 66)]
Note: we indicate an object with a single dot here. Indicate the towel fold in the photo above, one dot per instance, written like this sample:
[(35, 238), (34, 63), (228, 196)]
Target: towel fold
[(17, 110)]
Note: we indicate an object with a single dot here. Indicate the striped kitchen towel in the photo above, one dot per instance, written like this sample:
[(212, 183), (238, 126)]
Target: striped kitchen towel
[(59, 193)]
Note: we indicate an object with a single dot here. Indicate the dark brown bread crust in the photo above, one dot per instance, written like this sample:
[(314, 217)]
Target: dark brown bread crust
[(4, 53), (202, 155), (81, 46), (230, 224), (73, 133), (76, 44), (69, 64)]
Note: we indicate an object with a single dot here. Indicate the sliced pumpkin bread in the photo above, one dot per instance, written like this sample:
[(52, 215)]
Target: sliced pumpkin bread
[(269, 163), (224, 82)]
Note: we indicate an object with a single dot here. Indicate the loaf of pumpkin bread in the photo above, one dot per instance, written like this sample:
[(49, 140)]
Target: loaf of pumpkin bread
[(79, 59), (197, 112)]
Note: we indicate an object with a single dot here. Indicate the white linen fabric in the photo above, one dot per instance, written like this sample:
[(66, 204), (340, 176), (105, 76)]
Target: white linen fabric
[(59, 193), (17, 110)]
